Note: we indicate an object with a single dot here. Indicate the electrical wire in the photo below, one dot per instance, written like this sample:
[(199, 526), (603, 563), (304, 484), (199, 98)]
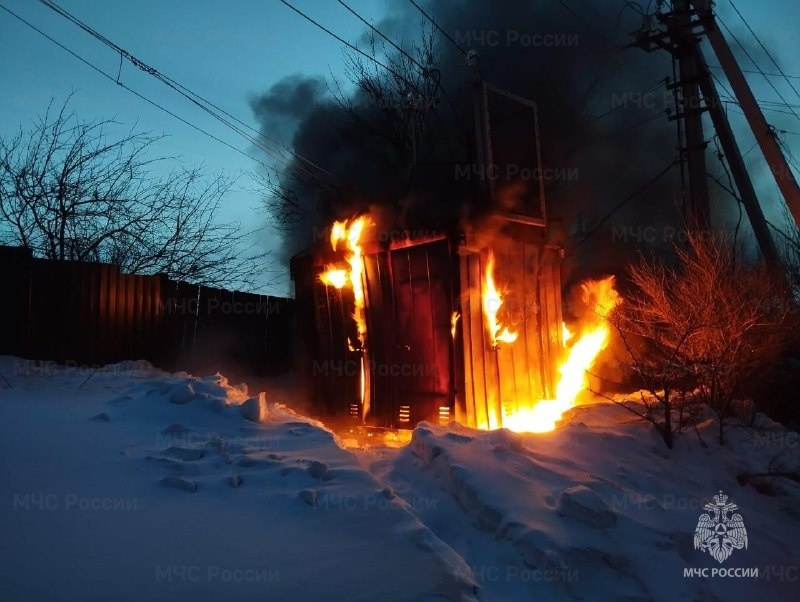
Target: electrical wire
[(384, 36), (193, 97), (764, 48), (752, 60), (139, 95), (619, 106), (437, 26), (351, 46), (425, 71), (625, 201), (719, 67), (626, 128)]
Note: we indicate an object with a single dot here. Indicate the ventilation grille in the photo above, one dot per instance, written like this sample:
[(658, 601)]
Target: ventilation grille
[(404, 416), (355, 410), (444, 414)]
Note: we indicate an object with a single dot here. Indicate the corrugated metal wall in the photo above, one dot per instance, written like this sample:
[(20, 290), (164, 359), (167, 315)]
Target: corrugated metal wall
[(528, 275), (89, 314), (417, 370)]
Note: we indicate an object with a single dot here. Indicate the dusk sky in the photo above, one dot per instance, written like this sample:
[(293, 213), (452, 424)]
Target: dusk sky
[(399, 300), (229, 52)]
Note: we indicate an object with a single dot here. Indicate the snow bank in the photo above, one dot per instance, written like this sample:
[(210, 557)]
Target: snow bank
[(599, 509), (194, 489), (127, 483)]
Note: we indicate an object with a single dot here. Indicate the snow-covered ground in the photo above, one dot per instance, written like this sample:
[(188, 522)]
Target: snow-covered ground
[(127, 483)]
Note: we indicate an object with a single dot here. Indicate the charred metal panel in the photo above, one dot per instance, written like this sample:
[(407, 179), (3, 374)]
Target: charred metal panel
[(423, 346), (329, 364)]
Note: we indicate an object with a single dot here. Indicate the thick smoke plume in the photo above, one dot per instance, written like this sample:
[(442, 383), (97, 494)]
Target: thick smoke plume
[(604, 131)]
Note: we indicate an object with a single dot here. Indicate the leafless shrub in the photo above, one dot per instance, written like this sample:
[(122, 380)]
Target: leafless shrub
[(69, 191), (702, 330)]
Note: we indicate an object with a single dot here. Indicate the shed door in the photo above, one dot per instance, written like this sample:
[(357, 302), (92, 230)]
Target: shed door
[(423, 351)]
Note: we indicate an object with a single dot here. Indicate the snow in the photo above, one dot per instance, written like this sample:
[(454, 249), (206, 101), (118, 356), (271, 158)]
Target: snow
[(128, 483)]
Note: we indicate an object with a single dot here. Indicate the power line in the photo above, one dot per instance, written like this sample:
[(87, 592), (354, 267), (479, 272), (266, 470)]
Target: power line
[(764, 48), (569, 9), (789, 156), (758, 72), (137, 94), (436, 25), (385, 37), (752, 60), (193, 97), (734, 101), (613, 46), (624, 129), (625, 201), (349, 45), (621, 105), (750, 150), (425, 71), (723, 161)]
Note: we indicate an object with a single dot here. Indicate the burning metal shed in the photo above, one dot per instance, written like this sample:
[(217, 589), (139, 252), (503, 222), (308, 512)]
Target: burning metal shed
[(430, 328), (463, 323)]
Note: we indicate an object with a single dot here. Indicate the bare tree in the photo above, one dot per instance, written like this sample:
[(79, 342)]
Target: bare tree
[(393, 117), (69, 191), (703, 330), (398, 104)]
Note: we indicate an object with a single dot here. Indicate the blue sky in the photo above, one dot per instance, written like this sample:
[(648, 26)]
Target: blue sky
[(250, 45), (228, 51)]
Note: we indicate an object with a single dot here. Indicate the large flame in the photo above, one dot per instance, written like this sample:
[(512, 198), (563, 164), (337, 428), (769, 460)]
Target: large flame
[(348, 232), (594, 334), (492, 301)]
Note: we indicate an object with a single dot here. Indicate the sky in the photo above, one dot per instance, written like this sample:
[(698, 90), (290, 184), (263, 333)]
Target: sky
[(230, 51)]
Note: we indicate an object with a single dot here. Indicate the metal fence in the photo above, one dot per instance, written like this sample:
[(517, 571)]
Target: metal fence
[(91, 314)]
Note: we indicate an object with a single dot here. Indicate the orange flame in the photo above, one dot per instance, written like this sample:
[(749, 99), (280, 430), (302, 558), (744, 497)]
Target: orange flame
[(454, 317), (349, 232), (581, 355), (334, 277), (566, 335), (492, 301)]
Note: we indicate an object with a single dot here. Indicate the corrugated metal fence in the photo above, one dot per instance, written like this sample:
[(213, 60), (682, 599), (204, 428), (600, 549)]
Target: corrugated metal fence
[(90, 314)]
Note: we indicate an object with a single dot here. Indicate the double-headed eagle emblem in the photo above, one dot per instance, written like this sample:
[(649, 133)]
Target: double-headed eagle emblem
[(716, 533)]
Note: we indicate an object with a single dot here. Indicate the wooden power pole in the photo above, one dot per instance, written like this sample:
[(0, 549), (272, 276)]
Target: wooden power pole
[(681, 39), (685, 45), (763, 132)]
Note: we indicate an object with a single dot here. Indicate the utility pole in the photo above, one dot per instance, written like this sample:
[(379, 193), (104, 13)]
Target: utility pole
[(685, 48), (763, 132), (681, 41), (483, 141), (739, 171)]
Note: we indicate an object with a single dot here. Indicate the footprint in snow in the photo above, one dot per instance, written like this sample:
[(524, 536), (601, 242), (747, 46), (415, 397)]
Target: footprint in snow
[(175, 482)]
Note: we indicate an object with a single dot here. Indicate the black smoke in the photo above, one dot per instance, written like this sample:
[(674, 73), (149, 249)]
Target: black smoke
[(604, 131)]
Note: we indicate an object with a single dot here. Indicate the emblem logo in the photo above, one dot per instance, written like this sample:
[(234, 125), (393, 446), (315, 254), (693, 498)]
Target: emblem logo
[(718, 534)]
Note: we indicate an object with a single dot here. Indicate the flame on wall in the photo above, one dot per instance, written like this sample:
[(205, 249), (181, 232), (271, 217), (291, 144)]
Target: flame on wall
[(346, 237), (492, 301), (454, 318), (593, 336), (347, 234)]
